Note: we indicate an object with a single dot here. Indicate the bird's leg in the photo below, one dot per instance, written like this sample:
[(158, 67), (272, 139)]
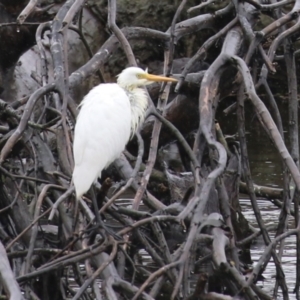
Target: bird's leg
[(99, 221), (95, 206), (76, 214)]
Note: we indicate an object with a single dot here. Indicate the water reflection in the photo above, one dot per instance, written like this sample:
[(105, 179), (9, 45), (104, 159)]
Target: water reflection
[(266, 169), (270, 215)]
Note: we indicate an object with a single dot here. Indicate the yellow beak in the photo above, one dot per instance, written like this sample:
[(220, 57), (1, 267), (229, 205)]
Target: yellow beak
[(151, 77)]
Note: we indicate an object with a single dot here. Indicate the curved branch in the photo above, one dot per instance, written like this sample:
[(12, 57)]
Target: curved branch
[(268, 121), (25, 118)]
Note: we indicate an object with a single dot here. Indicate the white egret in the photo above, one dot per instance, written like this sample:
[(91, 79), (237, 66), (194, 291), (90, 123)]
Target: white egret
[(110, 114)]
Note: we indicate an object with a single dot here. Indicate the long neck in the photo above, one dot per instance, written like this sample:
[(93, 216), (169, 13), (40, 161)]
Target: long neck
[(139, 103)]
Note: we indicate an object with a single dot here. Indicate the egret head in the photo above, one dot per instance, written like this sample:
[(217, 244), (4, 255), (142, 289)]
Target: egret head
[(133, 77)]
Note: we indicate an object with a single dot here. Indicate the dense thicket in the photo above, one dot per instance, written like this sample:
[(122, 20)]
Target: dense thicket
[(172, 198)]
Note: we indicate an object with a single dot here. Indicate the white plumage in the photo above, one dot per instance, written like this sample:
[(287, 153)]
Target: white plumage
[(110, 114)]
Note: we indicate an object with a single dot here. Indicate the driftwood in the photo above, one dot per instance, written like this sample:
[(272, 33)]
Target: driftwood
[(181, 167)]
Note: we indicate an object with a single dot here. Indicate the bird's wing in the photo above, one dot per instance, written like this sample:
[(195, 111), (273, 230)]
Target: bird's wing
[(101, 133)]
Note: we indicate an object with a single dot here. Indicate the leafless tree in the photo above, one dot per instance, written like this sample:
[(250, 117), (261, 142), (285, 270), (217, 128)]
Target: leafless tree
[(180, 165)]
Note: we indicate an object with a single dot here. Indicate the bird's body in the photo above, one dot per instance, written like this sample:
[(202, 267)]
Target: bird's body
[(91, 157), (110, 114)]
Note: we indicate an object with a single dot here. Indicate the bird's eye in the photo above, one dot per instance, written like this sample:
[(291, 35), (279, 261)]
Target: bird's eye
[(139, 76)]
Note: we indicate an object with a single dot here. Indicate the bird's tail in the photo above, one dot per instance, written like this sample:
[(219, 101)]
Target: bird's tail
[(83, 179)]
